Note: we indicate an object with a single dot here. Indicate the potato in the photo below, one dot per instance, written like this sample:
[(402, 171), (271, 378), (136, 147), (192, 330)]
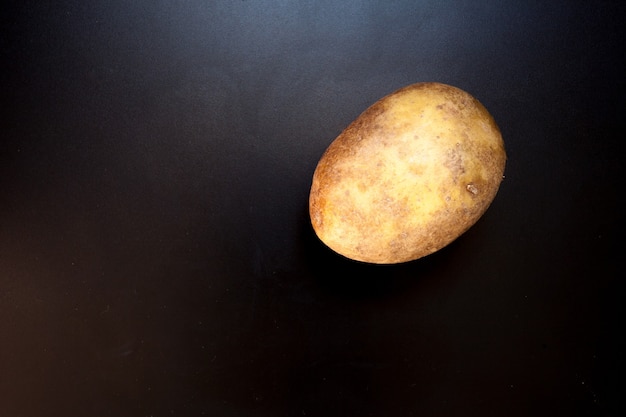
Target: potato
[(410, 175)]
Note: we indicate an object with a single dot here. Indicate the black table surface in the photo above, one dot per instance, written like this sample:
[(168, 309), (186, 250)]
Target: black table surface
[(156, 253)]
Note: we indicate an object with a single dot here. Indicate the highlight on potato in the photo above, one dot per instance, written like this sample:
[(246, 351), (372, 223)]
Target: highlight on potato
[(410, 175)]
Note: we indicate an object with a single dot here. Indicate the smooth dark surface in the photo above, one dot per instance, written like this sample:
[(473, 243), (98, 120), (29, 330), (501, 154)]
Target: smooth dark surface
[(156, 256)]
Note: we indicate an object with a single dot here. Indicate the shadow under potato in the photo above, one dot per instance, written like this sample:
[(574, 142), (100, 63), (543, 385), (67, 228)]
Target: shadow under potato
[(351, 279)]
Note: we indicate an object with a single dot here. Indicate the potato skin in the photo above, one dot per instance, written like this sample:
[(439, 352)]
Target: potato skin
[(411, 174)]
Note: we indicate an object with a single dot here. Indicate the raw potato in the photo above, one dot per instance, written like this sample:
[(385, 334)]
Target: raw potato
[(411, 174)]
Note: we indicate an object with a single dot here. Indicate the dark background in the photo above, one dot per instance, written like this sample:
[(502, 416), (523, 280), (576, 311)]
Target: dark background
[(156, 255)]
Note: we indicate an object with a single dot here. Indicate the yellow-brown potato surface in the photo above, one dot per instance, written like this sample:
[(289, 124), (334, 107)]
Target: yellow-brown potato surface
[(408, 176)]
